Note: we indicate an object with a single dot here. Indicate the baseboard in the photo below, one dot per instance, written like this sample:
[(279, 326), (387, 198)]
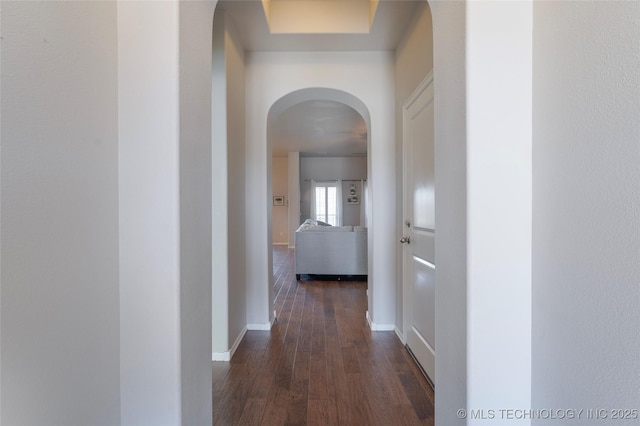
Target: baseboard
[(280, 244), (221, 356), (379, 327), (237, 342), (226, 356), (400, 336), (263, 327), (259, 327)]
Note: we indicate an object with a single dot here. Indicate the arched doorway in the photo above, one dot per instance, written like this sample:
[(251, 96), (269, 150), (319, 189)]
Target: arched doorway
[(316, 134)]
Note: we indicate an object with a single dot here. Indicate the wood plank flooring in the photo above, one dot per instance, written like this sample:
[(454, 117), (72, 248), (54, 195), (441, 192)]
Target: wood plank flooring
[(320, 364)]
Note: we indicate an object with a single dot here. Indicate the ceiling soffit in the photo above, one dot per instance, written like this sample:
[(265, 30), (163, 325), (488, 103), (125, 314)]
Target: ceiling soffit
[(319, 16)]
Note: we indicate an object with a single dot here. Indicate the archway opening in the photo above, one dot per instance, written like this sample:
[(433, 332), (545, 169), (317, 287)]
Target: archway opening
[(316, 136)]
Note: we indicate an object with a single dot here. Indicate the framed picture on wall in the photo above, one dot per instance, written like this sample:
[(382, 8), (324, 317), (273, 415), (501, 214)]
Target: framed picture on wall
[(278, 200), (353, 200)]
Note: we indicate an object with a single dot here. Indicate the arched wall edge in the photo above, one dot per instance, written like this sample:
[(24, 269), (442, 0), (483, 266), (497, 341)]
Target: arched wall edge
[(318, 93), (296, 97)]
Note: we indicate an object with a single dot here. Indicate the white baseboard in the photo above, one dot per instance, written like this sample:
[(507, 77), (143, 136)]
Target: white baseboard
[(263, 327), (221, 356), (379, 327), (237, 342), (259, 327), (226, 356), (400, 336)]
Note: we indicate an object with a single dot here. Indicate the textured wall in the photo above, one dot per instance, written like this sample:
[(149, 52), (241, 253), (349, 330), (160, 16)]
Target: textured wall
[(59, 242), (586, 206)]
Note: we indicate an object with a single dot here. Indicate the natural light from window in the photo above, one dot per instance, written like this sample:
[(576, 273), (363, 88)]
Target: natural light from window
[(326, 198)]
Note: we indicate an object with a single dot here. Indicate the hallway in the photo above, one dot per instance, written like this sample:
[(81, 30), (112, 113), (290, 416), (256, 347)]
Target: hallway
[(320, 364)]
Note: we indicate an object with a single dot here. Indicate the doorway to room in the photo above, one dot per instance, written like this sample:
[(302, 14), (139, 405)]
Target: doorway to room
[(318, 144)]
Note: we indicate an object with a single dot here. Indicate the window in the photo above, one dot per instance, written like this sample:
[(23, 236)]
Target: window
[(325, 202)]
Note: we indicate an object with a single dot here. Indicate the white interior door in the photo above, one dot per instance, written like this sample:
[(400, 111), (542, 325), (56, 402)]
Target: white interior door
[(419, 226)]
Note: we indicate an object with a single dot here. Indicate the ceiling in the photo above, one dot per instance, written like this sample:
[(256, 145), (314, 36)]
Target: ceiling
[(388, 26), (319, 128)]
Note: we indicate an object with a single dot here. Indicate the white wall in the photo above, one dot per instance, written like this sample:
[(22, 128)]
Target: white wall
[(195, 211), (60, 359), (586, 206), (355, 73), (499, 99), (414, 60), (294, 195), (280, 186), (149, 213), (350, 169), (105, 133), (449, 61), (482, 77), (236, 181), (219, 191), (228, 187)]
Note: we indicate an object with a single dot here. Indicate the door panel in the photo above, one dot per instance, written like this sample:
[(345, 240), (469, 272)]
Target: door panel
[(424, 314), (419, 226), (422, 167)]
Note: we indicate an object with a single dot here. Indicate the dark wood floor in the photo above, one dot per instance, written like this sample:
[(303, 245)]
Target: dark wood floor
[(320, 364)]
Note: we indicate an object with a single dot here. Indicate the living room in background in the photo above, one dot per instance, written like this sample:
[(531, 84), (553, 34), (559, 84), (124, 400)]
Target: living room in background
[(350, 171)]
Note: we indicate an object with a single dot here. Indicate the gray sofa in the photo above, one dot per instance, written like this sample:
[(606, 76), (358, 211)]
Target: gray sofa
[(330, 250)]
